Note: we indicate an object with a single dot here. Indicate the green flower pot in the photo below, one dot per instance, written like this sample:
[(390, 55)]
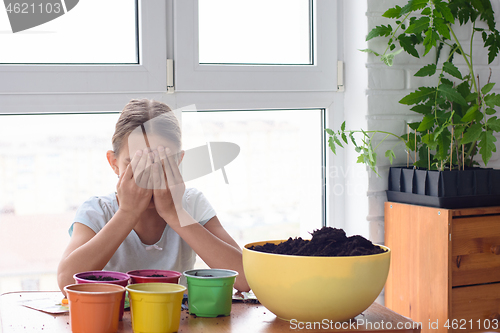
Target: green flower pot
[(210, 291)]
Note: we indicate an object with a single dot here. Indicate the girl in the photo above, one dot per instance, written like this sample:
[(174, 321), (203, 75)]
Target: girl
[(152, 221)]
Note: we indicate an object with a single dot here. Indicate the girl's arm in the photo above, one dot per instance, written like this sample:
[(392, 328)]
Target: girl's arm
[(88, 251), (211, 242)]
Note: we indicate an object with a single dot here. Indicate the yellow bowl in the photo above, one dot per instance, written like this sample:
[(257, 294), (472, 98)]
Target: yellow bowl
[(315, 288)]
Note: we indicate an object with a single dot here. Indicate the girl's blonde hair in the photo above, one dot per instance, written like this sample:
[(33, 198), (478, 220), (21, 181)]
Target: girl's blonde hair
[(139, 112)]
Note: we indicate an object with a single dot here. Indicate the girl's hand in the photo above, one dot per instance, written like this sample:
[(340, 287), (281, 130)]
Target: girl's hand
[(134, 186), (168, 184)]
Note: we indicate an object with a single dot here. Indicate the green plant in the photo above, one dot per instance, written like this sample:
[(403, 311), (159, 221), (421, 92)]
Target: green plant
[(459, 111)]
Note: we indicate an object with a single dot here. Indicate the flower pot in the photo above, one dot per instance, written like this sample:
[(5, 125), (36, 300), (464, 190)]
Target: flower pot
[(210, 291), (146, 276), (155, 307), (94, 307), (122, 280), (475, 187)]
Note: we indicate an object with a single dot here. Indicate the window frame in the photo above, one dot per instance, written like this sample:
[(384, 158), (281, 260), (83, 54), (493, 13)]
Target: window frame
[(59, 79), (191, 76)]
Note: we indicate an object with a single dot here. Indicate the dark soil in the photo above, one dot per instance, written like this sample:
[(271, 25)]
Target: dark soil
[(157, 275), (208, 275), (325, 242), (99, 278)]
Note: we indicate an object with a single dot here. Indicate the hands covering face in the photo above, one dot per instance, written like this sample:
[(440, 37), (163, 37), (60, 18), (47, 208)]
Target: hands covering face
[(158, 171)]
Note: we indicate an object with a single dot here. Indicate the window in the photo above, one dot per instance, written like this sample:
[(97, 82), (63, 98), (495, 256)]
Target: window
[(255, 32), (275, 184), (141, 40), (215, 53), (112, 38), (49, 165)]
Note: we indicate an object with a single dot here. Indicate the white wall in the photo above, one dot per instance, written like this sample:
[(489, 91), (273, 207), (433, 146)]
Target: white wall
[(353, 175)]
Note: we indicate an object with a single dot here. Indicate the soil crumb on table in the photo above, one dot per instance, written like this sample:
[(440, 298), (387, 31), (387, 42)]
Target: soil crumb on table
[(325, 242)]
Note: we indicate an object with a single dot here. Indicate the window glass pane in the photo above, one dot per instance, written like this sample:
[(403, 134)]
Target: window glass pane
[(49, 165), (255, 32), (70, 32), (274, 188)]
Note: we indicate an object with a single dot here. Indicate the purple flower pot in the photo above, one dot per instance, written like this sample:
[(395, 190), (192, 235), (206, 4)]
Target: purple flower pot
[(123, 279)]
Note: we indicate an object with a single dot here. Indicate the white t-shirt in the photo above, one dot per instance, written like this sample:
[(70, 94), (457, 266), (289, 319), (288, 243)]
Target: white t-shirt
[(171, 252)]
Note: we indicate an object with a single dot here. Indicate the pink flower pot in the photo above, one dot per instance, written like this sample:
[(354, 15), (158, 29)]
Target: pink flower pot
[(147, 276)]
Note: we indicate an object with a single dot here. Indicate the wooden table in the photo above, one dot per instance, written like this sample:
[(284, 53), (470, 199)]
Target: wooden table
[(245, 317)]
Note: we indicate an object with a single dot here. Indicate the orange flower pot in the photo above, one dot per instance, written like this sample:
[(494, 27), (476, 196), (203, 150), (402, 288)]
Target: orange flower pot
[(94, 307)]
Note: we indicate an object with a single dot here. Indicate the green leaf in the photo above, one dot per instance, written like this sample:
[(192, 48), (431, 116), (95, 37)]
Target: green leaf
[(487, 87), (494, 124), (381, 30), (492, 100), (490, 111), (337, 141), (472, 133), (344, 137), (413, 5), (430, 141), (478, 5), (451, 94), (426, 123), (421, 108), (428, 70), (442, 28), (420, 95), (447, 82), (479, 117), (493, 43), (487, 146), (470, 114), (464, 89), (329, 131), (351, 135), (417, 26), (393, 12), (408, 45), (444, 143), (427, 11), (331, 144), (389, 57), (459, 130), (471, 98), (451, 69), (413, 126), (342, 127), (390, 154), (430, 40), (444, 9), (370, 51), (440, 130)]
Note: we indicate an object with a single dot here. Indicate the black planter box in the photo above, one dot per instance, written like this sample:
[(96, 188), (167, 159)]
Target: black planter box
[(475, 187)]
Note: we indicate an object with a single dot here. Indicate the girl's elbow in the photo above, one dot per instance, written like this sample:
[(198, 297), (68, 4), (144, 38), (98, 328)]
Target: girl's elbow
[(63, 279), (245, 288), (241, 285)]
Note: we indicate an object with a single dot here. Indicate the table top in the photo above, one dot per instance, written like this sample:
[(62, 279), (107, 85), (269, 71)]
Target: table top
[(245, 317)]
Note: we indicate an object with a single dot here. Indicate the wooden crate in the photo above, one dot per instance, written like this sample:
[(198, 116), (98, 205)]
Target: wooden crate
[(445, 266)]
